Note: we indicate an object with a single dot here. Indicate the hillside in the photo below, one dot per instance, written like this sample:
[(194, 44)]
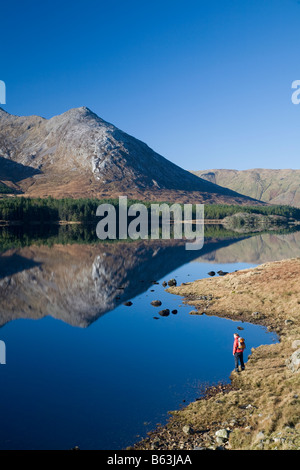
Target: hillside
[(78, 154), (271, 186)]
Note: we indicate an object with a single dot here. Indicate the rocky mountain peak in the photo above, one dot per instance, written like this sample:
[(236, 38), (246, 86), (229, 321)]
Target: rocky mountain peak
[(78, 154)]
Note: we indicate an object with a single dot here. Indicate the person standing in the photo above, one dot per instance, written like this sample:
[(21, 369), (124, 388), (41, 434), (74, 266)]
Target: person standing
[(238, 350)]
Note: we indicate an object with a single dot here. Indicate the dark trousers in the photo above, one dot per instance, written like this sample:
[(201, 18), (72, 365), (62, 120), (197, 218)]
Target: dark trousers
[(238, 357)]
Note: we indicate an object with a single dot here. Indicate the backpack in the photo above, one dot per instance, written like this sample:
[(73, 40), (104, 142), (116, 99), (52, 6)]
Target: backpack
[(241, 343)]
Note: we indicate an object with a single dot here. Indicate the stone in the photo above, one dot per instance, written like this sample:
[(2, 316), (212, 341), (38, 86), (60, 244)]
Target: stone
[(296, 344), (222, 433), (187, 429), (193, 312), (164, 313), (172, 282), (293, 363), (220, 441), (156, 303), (155, 444), (256, 314)]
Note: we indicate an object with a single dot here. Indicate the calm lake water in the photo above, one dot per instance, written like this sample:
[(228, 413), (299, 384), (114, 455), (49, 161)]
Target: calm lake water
[(84, 369)]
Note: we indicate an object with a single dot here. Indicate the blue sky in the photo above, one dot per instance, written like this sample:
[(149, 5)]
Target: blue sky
[(206, 83)]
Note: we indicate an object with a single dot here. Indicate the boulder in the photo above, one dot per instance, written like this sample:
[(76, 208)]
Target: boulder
[(164, 313), (156, 303), (296, 344), (193, 312), (187, 429), (293, 363), (222, 433)]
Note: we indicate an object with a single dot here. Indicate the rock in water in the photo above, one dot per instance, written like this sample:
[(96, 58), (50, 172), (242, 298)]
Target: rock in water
[(164, 313), (156, 303)]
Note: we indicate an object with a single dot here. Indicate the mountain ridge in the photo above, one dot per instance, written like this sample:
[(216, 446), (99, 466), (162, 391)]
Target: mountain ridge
[(272, 186), (78, 154)]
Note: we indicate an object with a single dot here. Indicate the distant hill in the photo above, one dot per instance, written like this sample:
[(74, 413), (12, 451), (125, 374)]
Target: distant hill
[(271, 186), (78, 154)]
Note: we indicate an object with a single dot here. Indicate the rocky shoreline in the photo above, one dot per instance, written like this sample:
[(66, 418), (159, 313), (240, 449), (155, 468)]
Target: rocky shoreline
[(260, 408)]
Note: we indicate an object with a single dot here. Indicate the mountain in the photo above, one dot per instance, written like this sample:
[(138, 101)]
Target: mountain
[(78, 154), (271, 186)]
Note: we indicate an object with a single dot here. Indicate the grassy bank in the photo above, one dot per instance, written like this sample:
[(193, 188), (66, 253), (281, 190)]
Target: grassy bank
[(260, 409)]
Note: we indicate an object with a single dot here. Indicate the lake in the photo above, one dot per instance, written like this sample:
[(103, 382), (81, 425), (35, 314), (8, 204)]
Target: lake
[(84, 369)]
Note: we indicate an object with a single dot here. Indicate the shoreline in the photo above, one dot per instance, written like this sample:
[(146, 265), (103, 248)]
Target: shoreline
[(6, 223), (260, 407)]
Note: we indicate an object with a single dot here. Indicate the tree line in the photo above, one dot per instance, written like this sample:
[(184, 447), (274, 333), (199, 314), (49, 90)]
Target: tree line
[(43, 210), (220, 211)]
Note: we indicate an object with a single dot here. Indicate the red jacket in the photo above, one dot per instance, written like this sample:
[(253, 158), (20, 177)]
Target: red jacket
[(235, 345)]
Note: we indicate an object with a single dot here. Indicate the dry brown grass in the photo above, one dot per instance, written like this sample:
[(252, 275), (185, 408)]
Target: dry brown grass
[(263, 409), (268, 294), (61, 186)]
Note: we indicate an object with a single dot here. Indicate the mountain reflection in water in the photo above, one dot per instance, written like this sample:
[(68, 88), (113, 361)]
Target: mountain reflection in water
[(79, 282)]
